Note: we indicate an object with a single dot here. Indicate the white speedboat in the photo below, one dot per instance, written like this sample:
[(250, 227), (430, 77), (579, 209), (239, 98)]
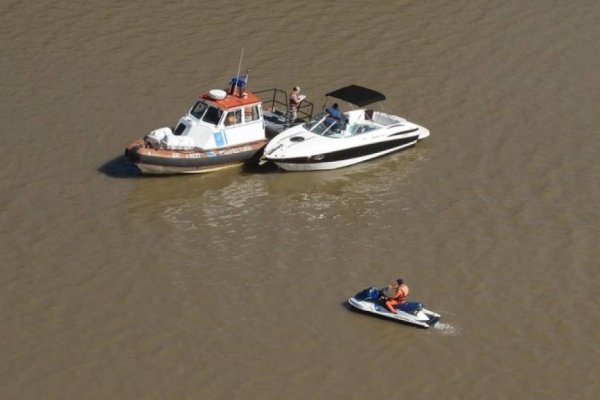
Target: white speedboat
[(330, 141), (372, 300)]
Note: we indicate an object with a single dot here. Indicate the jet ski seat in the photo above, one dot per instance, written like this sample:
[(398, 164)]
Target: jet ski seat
[(410, 307)]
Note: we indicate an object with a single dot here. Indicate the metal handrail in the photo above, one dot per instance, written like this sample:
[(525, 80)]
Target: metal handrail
[(305, 108)]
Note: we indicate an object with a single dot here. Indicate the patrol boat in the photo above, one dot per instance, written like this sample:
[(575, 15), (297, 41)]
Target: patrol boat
[(224, 128)]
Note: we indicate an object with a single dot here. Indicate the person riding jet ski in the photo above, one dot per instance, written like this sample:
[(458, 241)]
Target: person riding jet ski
[(375, 301), (400, 296)]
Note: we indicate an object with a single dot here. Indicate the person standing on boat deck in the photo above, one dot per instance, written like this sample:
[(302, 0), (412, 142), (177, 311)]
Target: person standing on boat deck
[(295, 100), (399, 297)]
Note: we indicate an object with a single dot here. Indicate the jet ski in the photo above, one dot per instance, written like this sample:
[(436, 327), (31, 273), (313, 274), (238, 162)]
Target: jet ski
[(372, 300)]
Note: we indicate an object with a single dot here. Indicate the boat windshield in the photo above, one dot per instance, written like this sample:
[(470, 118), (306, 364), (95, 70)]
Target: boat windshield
[(325, 125), (198, 109), (212, 115), (206, 113)]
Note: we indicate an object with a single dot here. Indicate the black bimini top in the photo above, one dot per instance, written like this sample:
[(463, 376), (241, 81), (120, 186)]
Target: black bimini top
[(357, 95)]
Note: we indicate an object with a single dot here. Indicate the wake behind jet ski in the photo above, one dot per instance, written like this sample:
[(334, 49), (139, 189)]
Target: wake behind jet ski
[(373, 300)]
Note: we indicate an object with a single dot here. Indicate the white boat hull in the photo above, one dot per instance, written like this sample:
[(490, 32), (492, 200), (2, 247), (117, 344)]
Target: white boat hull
[(318, 145), (320, 166)]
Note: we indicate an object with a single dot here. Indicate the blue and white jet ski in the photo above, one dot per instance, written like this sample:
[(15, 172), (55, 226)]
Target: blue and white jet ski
[(372, 300)]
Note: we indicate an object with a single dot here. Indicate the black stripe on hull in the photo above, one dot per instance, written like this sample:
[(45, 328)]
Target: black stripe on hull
[(404, 132), (348, 154)]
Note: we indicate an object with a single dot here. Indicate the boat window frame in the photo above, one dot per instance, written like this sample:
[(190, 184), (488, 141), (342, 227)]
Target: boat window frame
[(321, 119), (237, 118), (220, 113), (254, 111), (199, 116)]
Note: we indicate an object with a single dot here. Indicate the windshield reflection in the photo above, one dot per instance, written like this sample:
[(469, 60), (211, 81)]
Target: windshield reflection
[(325, 125), (206, 113)]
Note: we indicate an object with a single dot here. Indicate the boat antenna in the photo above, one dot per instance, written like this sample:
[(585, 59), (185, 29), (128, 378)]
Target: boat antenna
[(239, 67)]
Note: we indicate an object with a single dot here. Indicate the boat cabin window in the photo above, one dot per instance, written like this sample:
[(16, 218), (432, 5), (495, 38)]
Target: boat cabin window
[(250, 113), (198, 109), (179, 130), (233, 118), (212, 115)]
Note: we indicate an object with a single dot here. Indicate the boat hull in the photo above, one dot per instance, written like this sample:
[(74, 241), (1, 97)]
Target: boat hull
[(167, 162), (346, 157)]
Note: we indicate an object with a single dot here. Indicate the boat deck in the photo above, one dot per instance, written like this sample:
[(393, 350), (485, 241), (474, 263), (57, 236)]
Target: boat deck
[(276, 111), (276, 121)]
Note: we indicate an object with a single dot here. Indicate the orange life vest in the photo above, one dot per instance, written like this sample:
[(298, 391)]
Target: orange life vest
[(401, 293)]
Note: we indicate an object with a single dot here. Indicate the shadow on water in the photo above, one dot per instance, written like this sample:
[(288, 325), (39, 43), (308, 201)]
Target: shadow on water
[(120, 167), (253, 168)]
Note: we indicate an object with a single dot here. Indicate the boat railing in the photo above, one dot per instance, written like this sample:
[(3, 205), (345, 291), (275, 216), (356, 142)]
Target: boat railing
[(274, 98)]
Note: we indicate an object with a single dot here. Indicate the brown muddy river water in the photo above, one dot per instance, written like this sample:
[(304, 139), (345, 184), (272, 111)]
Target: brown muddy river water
[(232, 285)]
